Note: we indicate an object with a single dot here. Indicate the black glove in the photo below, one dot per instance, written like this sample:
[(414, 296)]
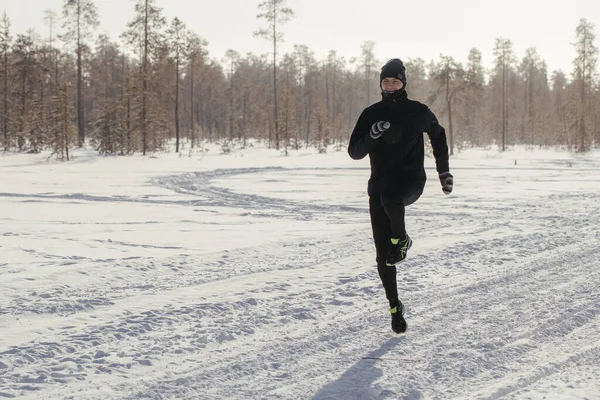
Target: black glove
[(378, 128), (447, 181)]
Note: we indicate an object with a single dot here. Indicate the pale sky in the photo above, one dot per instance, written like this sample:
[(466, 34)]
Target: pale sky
[(404, 29)]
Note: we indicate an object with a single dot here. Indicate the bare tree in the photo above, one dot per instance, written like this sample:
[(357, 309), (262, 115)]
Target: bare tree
[(289, 120), (322, 136), (63, 130), (25, 54), (368, 62), (80, 17), (232, 58), (275, 13), (107, 92), (533, 71), (450, 82), (127, 96), (306, 80), (350, 92), (560, 130), (177, 39), (144, 31), (196, 53), (50, 19), (474, 99), (418, 83), (5, 43), (584, 64), (503, 51)]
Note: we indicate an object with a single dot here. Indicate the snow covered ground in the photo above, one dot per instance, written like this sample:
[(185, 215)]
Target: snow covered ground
[(252, 275)]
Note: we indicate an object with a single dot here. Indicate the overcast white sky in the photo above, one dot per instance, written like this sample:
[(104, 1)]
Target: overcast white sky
[(405, 29)]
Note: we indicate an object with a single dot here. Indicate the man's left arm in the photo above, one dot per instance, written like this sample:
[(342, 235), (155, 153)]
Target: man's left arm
[(437, 136)]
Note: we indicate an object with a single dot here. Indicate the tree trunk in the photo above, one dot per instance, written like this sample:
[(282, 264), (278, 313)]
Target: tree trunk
[(368, 78), (244, 117), (56, 53), (23, 107), (177, 105), (582, 132), (308, 118), (327, 99), (6, 99), (450, 127), (564, 120), (531, 107), (350, 107), (199, 116), (333, 96), (209, 114), (145, 83), (123, 94), (231, 101), (80, 121), (275, 79), (449, 107), (192, 127), (39, 132), (65, 141), (504, 116)]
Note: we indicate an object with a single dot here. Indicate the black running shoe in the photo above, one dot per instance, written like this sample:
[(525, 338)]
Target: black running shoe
[(398, 322), (398, 250)]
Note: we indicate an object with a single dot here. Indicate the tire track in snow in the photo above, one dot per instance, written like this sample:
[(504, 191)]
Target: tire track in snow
[(201, 184)]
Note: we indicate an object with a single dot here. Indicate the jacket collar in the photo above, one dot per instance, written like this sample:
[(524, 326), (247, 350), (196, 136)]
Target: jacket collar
[(397, 99)]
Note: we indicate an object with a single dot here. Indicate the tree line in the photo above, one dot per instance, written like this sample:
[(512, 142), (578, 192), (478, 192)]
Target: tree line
[(159, 86)]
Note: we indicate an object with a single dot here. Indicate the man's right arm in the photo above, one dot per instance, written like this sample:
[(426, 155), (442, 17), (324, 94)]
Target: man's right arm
[(361, 142)]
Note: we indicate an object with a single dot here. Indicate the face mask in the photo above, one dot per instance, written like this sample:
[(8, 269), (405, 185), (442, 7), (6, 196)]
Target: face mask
[(392, 95)]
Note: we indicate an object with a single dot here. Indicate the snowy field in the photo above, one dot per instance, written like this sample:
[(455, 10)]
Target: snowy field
[(252, 276)]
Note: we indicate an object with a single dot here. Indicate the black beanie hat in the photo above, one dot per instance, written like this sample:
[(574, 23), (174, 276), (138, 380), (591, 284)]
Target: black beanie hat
[(394, 68)]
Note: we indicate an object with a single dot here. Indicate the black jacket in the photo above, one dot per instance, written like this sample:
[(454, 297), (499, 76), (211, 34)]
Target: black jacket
[(397, 157)]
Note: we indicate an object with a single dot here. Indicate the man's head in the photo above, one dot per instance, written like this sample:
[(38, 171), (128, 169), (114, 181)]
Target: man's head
[(393, 75)]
